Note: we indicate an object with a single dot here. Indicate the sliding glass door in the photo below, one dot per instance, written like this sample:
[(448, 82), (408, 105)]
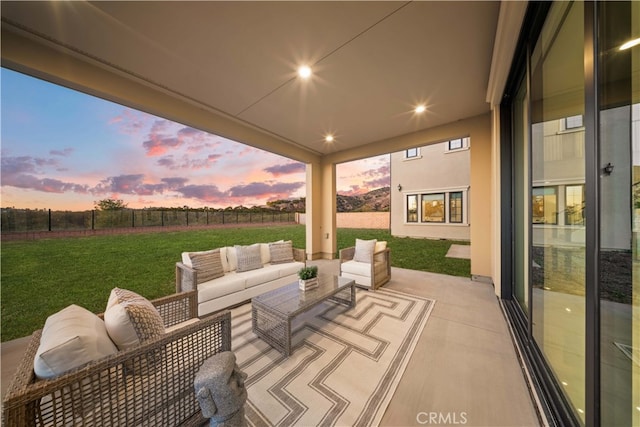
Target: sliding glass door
[(619, 145), (558, 208), (574, 148)]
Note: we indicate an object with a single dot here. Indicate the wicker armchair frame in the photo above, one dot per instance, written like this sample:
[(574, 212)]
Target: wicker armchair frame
[(148, 385), (380, 271)]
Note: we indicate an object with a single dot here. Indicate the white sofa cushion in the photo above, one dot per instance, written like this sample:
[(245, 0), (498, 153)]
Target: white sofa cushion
[(289, 268), (228, 284), (131, 319), (364, 250), (264, 253), (232, 258), (71, 338), (263, 275)]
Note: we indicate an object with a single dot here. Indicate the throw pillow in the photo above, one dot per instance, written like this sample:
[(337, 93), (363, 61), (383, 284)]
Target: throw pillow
[(131, 319), (281, 252), (208, 265), (71, 338), (381, 246), (186, 256), (364, 250), (249, 257)]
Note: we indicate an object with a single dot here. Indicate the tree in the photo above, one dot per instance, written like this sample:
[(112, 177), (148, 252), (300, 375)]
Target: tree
[(110, 204)]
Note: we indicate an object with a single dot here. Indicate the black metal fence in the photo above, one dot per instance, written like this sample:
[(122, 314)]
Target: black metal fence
[(21, 220)]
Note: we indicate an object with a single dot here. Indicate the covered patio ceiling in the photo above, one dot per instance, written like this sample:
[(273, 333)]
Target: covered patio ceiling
[(372, 62)]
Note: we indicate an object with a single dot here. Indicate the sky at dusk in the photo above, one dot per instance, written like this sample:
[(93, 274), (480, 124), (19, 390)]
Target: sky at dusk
[(64, 150)]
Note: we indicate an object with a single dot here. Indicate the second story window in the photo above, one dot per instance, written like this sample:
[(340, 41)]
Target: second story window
[(573, 122), (412, 153), (455, 144)]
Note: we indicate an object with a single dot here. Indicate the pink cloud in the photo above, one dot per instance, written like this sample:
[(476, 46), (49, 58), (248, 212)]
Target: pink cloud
[(261, 189), (207, 193), (186, 162), (130, 122), (64, 153), (286, 169), (128, 184)]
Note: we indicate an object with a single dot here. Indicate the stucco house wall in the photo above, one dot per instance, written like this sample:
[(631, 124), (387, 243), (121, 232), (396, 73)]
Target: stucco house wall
[(430, 169)]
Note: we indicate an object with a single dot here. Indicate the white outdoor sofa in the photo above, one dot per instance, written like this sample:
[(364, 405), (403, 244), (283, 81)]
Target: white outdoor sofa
[(230, 275)]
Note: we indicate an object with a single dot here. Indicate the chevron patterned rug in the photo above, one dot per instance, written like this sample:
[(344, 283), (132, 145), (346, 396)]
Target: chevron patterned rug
[(345, 366)]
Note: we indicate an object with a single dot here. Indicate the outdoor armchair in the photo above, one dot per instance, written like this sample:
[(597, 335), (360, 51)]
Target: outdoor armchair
[(150, 384), (368, 263)]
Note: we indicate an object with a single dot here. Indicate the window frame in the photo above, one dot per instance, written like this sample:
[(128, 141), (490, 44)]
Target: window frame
[(442, 203), (408, 212), (451, 208), (411, 157)]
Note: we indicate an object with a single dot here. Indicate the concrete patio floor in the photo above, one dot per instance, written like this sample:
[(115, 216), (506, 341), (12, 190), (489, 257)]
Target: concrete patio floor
[(464, 370)]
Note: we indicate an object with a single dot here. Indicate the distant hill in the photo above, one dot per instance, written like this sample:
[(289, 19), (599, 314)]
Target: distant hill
[(373, 201)]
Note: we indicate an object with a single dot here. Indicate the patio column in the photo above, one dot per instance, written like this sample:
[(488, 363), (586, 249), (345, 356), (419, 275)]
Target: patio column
[(321, 210)]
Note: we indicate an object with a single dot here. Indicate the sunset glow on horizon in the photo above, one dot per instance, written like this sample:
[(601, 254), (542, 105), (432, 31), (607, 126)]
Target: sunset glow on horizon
[(65, 150)]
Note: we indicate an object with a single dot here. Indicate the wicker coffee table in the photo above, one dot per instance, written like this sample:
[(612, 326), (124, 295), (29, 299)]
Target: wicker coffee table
[(272, 312)]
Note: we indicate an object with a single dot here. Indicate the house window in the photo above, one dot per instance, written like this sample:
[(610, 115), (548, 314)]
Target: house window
[(544, 205), (412, 208), (433, 207), (412, 153), (455, 207), (455, 144), (573, 122), (574, 205)]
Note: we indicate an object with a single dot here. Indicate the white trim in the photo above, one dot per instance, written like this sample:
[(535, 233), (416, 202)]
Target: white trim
[(508, 28), (435, 190), (438, 224)]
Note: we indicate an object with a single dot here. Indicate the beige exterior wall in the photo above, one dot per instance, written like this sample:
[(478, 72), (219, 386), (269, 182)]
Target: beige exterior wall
[(373, 220), (482, 199), (434, 170)]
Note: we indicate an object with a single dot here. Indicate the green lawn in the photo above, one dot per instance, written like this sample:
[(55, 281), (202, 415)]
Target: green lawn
[(40, 277)]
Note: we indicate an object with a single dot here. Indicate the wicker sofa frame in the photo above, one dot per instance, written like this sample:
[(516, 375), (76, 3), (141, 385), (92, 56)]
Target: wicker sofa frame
[(148, 385), (380, 264)]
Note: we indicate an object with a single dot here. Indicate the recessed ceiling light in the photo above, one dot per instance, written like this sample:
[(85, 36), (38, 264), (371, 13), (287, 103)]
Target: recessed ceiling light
[(420, 109), (630, 44), (304, 71), (328, 138)]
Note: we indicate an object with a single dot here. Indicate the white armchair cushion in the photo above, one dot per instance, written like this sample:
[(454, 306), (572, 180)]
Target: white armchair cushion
[(71, 338), (356, 267), (364, 250)]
